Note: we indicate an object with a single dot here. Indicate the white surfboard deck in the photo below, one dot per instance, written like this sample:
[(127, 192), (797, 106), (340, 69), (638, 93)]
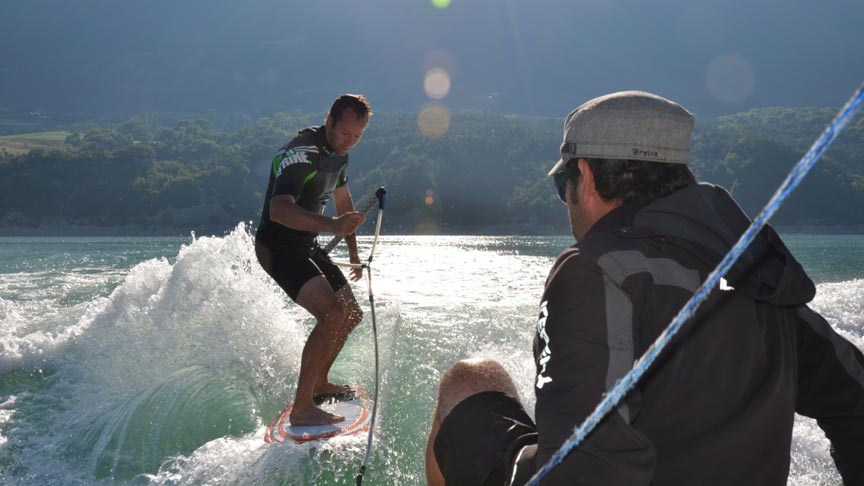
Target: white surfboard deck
[(355, 407)]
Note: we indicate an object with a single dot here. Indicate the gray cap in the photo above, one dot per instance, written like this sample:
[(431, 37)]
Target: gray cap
[(632, 125)]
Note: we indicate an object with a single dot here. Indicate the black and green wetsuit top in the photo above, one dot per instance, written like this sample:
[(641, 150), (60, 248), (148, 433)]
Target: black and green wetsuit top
[(308, 169)]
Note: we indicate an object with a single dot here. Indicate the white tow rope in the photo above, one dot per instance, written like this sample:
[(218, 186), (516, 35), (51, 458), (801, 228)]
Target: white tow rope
[(379, 197)]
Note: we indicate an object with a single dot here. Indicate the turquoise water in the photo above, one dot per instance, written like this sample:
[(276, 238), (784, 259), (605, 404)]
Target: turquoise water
[(158, 361)]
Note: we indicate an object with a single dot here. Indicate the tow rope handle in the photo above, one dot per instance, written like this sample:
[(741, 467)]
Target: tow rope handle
[(380, 193), (359, 477), (379, 196)]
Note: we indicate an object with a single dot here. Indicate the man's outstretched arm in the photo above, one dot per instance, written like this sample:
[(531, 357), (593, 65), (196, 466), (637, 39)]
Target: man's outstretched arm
[(831, 390)]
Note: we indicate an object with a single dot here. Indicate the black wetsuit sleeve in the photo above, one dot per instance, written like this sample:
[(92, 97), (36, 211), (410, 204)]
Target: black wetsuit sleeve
[(572, 355), (831, 390), (291, 179)]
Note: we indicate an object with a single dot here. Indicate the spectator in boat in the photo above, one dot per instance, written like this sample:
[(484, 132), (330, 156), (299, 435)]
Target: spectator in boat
[(719, 403)]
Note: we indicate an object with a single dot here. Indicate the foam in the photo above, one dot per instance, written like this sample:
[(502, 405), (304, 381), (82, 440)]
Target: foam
[(201, 344), (214, 307), (28, 342)]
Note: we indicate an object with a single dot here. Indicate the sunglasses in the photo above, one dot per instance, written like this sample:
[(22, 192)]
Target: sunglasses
[(560, 179)]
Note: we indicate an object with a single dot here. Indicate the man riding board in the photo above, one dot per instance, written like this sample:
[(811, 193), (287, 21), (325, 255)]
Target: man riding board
[(304, 174)]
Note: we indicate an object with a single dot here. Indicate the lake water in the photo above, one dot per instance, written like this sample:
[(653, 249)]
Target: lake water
[(134, 361)]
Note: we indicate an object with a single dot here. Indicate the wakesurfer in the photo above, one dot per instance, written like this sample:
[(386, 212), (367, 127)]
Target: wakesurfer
[(303, 175)]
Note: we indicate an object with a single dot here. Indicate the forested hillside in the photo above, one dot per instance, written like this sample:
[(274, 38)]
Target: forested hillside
[(485, 174)]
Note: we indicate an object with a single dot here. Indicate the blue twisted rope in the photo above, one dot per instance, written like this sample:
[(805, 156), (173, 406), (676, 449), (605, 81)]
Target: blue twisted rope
[(641, 367)]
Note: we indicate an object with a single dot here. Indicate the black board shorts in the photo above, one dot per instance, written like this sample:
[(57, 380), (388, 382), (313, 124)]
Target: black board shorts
[(292, 263), (482, 437)]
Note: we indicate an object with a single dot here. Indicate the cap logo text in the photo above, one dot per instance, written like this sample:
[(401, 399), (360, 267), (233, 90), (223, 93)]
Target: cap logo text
[(645, 153)]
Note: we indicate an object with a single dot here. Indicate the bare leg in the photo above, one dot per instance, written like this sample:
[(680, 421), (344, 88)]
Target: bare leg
[(318, 298), (462, 380), (353, 316)]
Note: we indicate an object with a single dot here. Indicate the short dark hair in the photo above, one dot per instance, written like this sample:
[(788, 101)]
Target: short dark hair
[(635, 181), (356, 102)]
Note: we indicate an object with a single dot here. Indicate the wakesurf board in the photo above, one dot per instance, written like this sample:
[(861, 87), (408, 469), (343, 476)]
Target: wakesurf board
[(355, 406)]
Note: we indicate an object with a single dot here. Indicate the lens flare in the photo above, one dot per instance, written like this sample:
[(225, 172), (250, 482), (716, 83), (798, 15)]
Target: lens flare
[(437, 84), (438, 59), (441, 3), (730, 78), (433, 120)]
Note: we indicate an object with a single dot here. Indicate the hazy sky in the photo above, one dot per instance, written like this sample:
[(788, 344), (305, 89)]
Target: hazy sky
[(528, 57)]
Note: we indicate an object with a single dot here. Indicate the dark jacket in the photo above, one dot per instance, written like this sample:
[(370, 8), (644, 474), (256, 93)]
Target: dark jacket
[(717, 407)]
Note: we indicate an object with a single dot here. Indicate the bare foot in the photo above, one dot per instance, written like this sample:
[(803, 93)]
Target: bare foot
[(313, 416), (327, 388)]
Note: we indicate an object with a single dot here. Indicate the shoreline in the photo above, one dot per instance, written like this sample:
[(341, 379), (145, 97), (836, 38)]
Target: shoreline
[(806, 229), (108, 231), (221, 230)]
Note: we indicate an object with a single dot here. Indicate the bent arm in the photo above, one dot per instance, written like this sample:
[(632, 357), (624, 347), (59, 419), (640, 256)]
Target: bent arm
[(287, 188), (831, 390), (285, 211), (344, 204)]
